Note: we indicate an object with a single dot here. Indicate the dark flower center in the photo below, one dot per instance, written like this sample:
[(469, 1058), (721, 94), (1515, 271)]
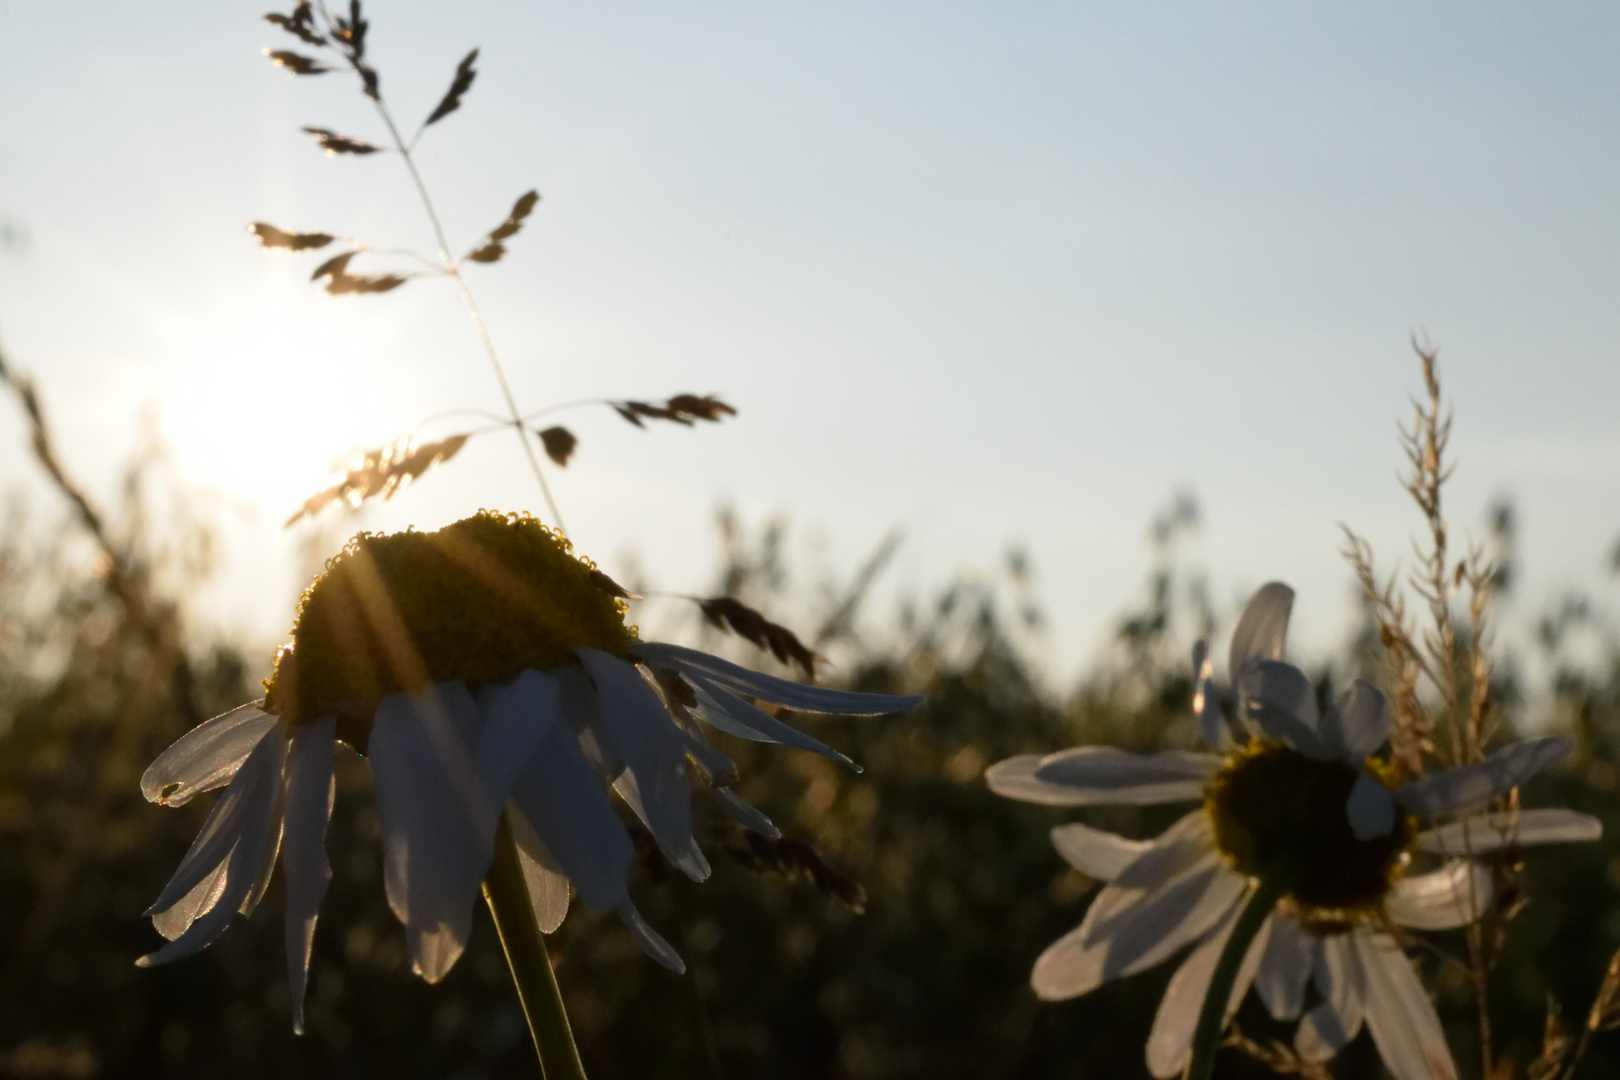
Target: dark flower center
[(481, 601), (1274, 810)]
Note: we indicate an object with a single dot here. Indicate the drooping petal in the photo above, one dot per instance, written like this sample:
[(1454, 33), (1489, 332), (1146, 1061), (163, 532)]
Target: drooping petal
[(654, 783), (436, 849), (725, 711), (173, 921), (1279, 701), (1262, 630), (1370, 808), (652, 943), (1186, 847), (249, 791), (793, 695), (1482, 834), (1096, 853), (1329, 1027), (1211, 721), (1358, 723), (1145, 934), (306, 874), (517, 718), (745, 814), (1106, 775), (207, 756), (561, 797), (547, 885), (1400, 1016), (257, 829), (1472, 787), (1452, 896), (1170, 1043), (1285, 968)]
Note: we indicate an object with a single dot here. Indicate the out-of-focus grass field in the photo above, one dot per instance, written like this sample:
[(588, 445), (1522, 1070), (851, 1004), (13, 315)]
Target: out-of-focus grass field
[(929, 979)]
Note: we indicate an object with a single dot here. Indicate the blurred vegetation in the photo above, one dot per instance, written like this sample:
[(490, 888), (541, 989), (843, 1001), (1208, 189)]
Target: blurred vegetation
[(891, 936)]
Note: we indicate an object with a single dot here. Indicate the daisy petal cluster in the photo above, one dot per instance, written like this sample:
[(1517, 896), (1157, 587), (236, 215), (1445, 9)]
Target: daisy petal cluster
[(482, 670), (1299, 796)]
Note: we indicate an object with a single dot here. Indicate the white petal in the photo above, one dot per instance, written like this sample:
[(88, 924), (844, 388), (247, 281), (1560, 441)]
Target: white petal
[(1285, 968), (1528, 828), (207, 756), (310, 790), (1329, 1027), (266, 867), (1280, 701), (744, 814), (1450, 897), (768, 688), (1399, 1014), (1370, 808), (654, 783), (564, 801), (253, 787), (1014, 778), (1358, 723), (651, 942), (1472, 787), (1170, 1043), (259, 825), (1178, 850), (517, 719), (721, 709), (436, 849), (1145, 934), (1106, 775), (1263, 628), (542, 874), (173, 921), (1095, 853)]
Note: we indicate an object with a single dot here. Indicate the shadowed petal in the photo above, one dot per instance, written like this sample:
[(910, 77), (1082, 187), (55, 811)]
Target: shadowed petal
[(1095, 853), (1107, 775), (654, 782), (1472, 787), (207, 756), (436, 849), (1399, 1014), (1481, 834), (305, 873), (259, 827), (1329, 1027), (651, 942), (1370, 808), (1358, 723), (1170, 1043), (721, 709), (547, 885), (794, 695), (1262, 631), (561, 798), (745, 814), (1285, 968), (1279, 700), (1443, 900)]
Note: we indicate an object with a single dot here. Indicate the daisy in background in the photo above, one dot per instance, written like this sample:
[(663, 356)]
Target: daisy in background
[(1302, 842), (483, 670)]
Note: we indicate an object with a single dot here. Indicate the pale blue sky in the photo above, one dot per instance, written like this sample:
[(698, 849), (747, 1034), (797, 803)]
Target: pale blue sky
[(990, 273)]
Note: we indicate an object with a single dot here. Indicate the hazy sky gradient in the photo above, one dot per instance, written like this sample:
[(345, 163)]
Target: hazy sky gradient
[(991, 273)]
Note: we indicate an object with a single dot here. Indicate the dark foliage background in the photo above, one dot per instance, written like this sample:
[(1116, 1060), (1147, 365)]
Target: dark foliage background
[(961, 889)]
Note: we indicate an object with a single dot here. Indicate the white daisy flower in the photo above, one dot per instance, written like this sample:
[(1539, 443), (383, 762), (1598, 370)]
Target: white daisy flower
[(481, 668), (1301, 802)]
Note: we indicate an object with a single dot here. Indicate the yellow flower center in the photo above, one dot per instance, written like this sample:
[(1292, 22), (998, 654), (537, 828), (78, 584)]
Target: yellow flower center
[(481, 601), (1274, 810)]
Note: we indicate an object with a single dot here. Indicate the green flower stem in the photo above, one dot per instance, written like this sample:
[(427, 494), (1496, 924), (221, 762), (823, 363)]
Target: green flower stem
[(1212, 1019), (525, 946)]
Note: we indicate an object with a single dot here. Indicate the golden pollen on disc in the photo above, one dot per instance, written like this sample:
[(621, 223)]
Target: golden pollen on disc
[(481, 601), (1272, 807)]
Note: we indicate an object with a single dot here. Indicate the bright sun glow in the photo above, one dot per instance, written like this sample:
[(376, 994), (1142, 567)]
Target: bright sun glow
[(267, 406)]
